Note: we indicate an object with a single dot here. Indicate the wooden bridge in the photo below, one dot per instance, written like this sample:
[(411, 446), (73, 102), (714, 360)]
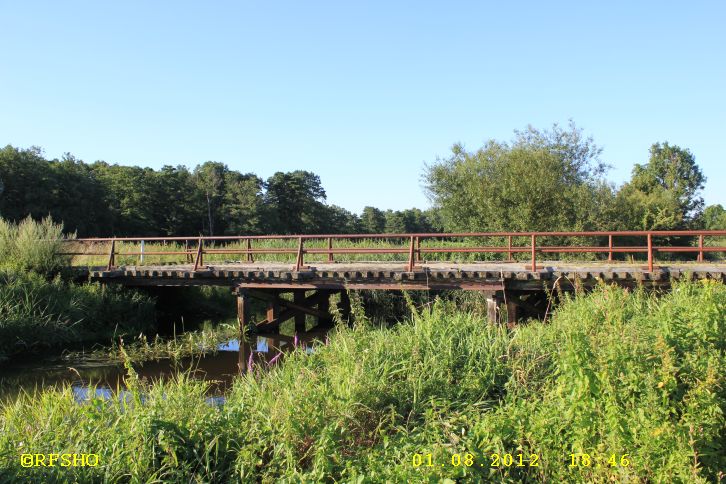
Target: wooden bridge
[(518, 270)]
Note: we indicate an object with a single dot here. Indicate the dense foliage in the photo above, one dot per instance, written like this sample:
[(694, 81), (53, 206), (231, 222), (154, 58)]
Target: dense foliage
[(37, 314), (554, 180), (41, 308), (100, 199), (617, 373)]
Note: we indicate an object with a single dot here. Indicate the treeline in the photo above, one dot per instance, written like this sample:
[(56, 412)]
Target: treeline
[(543, 180), (101, 199)]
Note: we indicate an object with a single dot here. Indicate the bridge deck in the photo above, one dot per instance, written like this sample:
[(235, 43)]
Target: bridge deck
[(512, 288), (384, 275)]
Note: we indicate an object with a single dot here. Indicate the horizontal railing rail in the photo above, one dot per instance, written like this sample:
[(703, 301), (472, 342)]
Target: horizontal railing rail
[(196, 247)]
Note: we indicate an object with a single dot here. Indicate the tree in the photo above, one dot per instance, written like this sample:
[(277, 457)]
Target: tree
[(340, 221), (418, 221), (372, 220), (407, 221), (27, 183), (129, 194), (294, 202), (434, 220), (77, 197), (209, 178), (579, 156), (65, 189), (664, 194), (176, 205), (242, 204), (714, 217), (542, 180), (397, 222)]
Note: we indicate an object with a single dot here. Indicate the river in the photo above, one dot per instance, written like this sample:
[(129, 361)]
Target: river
[(106, 377)]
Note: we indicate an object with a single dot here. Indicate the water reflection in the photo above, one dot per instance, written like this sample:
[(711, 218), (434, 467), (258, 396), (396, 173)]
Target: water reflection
[(107, 379)]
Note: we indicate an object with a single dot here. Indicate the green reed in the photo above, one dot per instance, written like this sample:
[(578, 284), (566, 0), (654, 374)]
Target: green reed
[(38, 314), (614, 372)]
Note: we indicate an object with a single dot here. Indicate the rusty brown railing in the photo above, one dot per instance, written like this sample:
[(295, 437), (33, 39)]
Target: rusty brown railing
[(413, 247)]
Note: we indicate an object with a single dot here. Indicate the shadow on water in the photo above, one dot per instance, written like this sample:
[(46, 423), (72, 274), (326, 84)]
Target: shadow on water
[(218, 368)]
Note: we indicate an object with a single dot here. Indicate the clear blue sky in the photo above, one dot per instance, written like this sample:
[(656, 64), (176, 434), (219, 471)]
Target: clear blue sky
[(361, 94)]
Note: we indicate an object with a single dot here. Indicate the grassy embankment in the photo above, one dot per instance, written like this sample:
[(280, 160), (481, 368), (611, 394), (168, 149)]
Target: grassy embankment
[(41, 308), (623, 377)]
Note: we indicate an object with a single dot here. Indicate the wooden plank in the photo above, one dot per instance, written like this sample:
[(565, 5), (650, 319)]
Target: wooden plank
[(492, 306), (281, 318), (243, 310), (512, 310), (413, 286), (324, 307), (299, 298), (303, 305)]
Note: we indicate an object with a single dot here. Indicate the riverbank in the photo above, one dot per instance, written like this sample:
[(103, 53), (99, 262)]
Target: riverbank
[(42, 310), (633, 381), (215, 355), (38, 314)]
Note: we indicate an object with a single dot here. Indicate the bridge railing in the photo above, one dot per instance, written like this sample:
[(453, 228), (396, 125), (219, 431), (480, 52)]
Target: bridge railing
[(409, 245)]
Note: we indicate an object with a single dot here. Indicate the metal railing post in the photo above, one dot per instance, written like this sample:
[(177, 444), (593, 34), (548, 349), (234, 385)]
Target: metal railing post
[(534, 252), (199, 260), (300, 257), (141, 257), (111, 258), (700, 247), (330, 248), (650, 252), (418, 249), (509, 248), (610, 248), (411, 260), (249, 249)]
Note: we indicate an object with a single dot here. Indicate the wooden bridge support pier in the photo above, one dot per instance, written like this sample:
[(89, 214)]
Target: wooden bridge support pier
[(518, 305), (317, 303), (496, 301), (280, 309)]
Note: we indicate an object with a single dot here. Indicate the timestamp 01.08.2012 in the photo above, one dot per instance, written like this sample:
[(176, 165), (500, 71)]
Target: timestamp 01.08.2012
[(469, 460)]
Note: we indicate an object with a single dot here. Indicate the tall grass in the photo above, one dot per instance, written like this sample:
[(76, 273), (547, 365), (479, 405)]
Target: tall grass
[(37, 314), (191, 343), (40, 310), (615, 372), (33, 246), (620, 373)]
